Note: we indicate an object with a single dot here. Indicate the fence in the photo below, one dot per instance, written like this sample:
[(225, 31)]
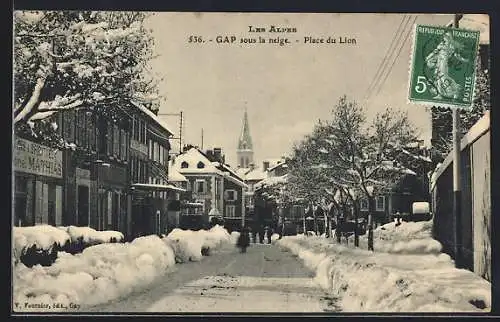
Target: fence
[(476, 200)]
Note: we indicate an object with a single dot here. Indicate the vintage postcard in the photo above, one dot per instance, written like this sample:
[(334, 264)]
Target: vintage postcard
[(204, 162)]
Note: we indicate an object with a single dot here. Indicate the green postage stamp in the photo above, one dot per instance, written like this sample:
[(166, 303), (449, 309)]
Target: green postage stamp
[(443, 68)]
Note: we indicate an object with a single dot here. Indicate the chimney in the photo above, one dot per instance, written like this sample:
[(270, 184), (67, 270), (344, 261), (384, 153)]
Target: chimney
[(265, 165), (210, 155), (252, 166), (218, 154), (185, 148)]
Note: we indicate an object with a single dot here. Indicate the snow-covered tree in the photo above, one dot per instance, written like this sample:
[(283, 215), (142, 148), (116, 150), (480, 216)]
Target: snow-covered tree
[(73, 59), (350, 155)]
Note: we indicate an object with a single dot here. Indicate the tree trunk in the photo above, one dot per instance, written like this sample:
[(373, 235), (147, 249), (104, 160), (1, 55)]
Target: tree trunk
[(356, 234), (371, 207), (325, 227), (337, 229)]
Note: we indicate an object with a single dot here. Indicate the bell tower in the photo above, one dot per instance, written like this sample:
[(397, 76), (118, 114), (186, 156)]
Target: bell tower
[(244, 152)]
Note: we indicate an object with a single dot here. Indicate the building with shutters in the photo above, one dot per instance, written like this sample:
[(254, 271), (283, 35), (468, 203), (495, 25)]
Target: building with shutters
[(213, 189), (114, 176)]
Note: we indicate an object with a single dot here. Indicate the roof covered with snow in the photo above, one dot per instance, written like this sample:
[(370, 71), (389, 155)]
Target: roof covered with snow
[(270, 181), (255, 175), (194, 158), (152, 116), (174, 175)]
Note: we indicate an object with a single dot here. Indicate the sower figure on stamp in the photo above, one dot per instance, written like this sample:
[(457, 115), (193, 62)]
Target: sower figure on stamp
[(438, 60)]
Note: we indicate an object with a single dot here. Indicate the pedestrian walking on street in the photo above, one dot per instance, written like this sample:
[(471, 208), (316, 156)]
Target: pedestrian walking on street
[(243, 240)]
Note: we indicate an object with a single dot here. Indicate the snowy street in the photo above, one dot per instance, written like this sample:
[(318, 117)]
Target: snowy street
[(265, 279)]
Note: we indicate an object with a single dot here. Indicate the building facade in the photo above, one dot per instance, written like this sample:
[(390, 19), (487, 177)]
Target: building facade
[(91, 183), (214, 189)]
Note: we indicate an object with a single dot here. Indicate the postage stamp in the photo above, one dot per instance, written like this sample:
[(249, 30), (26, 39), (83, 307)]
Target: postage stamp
[(443, 66)]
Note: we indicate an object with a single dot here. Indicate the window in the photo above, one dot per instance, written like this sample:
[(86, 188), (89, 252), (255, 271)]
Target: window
[(201, 209), (116, 140), (165, 157), (161, 160), (51, 204), (109, 139), (380, 203), (363, 204), (69, 125), (200, 186), (126, 144), (230, 211), (231, 195), (20, 213), (150, 149), (200, 165), (184, 164), (89, 127), (122, 144), (131, 169)]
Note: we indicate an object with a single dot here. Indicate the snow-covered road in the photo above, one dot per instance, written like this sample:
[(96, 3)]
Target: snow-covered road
[(265, 279)]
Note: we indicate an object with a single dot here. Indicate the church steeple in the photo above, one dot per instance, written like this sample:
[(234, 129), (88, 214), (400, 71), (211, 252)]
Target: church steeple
[(245, 146)]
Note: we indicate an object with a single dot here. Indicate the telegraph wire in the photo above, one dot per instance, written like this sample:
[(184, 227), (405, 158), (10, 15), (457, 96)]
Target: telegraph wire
[(399, 53), (386, 57)]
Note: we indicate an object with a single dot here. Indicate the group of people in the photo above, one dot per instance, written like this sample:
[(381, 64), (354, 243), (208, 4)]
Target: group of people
[(244, 237)]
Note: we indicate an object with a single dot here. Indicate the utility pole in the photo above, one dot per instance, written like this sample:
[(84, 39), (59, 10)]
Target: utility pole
[(202, 138), (181, 119), (457, 189)]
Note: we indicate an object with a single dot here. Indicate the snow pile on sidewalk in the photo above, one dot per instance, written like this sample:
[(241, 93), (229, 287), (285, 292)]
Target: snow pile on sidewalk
[(41, 236), (407, 238), (400, 278), (99, 274), (190, 245), (91, 236), (234, 237)]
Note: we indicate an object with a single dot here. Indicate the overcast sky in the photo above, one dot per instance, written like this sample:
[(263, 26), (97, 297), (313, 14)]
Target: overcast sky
[(286, 89)]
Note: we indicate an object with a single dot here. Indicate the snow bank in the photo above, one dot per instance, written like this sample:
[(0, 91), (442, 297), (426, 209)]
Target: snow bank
[(407, 238), (92, 236), (99, 274), (234, 237), (400, 278), (42, 236), (189, 245)]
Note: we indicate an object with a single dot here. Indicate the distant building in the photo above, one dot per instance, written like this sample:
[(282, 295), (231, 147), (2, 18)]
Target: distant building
[(213, 189), (244, 151)]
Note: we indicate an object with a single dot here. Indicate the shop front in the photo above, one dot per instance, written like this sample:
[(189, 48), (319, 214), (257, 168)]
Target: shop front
[(151, 206), (38, 184), (112, 200)]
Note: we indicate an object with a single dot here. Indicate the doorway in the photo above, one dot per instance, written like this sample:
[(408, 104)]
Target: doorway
[(83, 206)]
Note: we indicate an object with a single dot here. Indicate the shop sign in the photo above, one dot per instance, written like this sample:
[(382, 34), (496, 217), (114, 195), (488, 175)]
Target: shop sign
[(82, 174), (37, 159), (139, 147)]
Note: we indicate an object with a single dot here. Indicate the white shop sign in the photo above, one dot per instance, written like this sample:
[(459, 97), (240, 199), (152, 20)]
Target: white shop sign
[(138, 146), (37, 159), (82, 174)]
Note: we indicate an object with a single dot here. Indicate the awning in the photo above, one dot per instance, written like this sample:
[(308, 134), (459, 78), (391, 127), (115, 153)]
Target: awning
[(155, 187)]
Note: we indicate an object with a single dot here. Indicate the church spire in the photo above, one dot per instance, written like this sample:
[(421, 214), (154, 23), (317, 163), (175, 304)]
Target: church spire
[(245, 141), (244, 151)]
